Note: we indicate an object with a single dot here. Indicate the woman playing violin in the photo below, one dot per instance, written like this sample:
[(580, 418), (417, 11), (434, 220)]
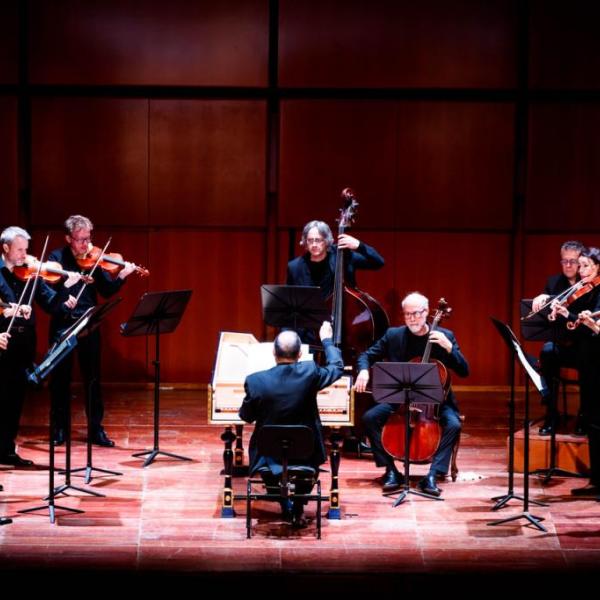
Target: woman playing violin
[(78, 230)]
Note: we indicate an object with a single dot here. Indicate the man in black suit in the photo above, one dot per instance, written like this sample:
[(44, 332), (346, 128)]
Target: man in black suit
[(400, 344), (287, 395), (564, 353), (78, 235)]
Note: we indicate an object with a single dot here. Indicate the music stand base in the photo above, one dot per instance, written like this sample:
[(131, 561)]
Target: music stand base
[(154, 453), (88, 472), (408, 490), (535, 521), (61, 489), (502, 500), (51, 510), (547, 474)]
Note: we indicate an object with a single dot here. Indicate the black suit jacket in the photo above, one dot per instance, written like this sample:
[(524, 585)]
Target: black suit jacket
[(287, 395), (393, 347)]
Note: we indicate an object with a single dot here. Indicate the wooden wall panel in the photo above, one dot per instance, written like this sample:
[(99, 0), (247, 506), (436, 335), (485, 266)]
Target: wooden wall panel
[(8, 161), (564, 44), (90, 155), (385, 43), (472, 272), (329, 145), (455, 165), (225, 272), (109, 42), (9, 45), (564, 168), (207, 162)]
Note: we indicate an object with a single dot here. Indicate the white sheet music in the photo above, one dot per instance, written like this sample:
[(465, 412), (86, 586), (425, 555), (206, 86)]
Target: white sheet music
[(533, 374)]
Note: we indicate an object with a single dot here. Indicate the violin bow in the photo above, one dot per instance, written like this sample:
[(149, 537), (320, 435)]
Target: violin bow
[(94, 268)]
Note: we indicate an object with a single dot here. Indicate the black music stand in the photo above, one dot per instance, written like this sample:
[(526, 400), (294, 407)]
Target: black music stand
[(55, 355), (156, 313), (406, 383), (293, 306), (96, 319), (517, 354), (538, 328)]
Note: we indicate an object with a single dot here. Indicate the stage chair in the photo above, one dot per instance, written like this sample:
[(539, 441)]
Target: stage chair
[(282, 444)]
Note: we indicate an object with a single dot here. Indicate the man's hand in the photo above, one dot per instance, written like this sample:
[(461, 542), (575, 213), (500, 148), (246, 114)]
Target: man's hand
[(361, 381), (127, 270), (326, 331), (71, 302), (539, 301), (439, 338), (24, 311), (347, 242), (4, 340)]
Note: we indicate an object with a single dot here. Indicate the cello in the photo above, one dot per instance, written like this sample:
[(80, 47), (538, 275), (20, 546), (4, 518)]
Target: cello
[(357, 318), (425, 430)]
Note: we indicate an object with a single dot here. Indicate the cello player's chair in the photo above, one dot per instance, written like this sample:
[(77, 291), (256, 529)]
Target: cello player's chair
[(282, 444)]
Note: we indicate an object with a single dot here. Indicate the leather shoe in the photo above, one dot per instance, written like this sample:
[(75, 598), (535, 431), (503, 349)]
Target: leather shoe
[(548, 426), (15, 460), (101, 439), (588, 490), (5, 520), (58, 439), (429, 486), (392, 480)]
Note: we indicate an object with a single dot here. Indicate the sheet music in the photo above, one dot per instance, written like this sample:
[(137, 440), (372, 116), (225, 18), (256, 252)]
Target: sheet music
[(533, 374)]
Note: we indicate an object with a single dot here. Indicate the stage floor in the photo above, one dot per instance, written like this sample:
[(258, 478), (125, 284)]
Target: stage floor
[(166, 518)]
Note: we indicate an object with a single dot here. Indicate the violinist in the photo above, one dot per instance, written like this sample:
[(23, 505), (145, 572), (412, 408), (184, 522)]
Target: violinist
[(400, 344), (555, 355), (587, 300), (78, 236), (20, 350)]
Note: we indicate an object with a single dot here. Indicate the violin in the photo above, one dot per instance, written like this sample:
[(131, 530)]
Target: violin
[(424, 427), (52, 272), (111, 262), (580, 289)]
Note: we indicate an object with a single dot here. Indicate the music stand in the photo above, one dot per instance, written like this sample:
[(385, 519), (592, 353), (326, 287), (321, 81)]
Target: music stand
[(293, 306), (517, 354), (96, 318), (538, 328), (55, 355), (406, 383), (156, 313)]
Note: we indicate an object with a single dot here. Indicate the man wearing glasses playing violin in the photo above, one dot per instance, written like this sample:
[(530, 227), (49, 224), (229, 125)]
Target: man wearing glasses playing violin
[(78, 236), (560, 354), (401, 344), (21, 341)]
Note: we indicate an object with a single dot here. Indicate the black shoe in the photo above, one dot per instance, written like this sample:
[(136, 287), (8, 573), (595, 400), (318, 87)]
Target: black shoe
[(429, 486), (392, 480), (5, 520), (58, 439), (548, 426), (579, 425), (588, 490), (15, 460), (298, 518), (101, 439)]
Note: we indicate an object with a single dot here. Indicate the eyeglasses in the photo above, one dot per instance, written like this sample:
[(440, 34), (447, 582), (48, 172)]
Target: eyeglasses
[(315, 241), (414, 315), (565, 262), (87, 240)]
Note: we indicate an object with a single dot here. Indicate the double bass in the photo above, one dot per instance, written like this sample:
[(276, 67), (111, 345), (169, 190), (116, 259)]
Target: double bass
[(358, 319), (425, 430)]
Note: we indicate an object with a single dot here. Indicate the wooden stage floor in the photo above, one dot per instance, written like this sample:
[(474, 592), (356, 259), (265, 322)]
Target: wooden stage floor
[(165, 519)]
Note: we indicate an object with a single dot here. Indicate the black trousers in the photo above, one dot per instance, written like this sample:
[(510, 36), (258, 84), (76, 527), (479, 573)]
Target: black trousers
[(13, 384), (376, 417), (552, 358), (88, 354)]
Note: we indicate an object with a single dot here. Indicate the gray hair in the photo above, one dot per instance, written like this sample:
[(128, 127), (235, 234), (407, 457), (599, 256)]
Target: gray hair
[(10, 233), (322, 228), (575, 245), (416, 298), (287, 345), (75, 222)]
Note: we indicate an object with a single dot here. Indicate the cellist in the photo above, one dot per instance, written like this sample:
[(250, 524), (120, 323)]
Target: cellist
[(401, 344)]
